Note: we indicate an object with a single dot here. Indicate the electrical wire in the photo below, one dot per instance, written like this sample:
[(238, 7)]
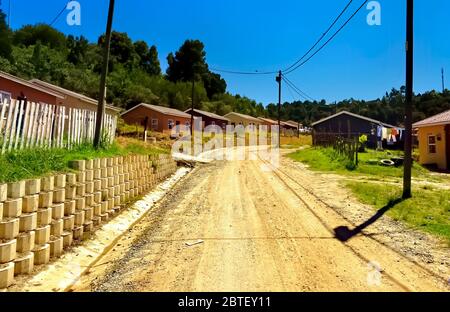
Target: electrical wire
[(321, 37), (59, 14), (298, 90), (256, 72), (328, 41)]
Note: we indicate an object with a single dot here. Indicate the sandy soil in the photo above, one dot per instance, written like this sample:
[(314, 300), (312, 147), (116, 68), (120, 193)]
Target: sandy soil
[(263, 230)]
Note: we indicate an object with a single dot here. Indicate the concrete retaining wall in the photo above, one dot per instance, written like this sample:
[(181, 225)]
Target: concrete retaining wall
[(41, 218)]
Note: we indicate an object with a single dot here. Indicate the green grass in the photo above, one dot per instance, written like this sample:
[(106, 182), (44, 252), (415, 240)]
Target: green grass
[(428, 209), (27, 164), (326, 159)]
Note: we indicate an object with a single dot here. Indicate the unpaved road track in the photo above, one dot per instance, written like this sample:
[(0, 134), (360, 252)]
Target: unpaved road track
[(260, 231)]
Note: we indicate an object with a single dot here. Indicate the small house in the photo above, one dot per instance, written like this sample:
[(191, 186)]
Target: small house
[(209, 119), (433, 136), (156, 118), (241, 119)]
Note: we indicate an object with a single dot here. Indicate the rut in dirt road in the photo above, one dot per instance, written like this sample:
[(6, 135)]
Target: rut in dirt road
[(258, 232)]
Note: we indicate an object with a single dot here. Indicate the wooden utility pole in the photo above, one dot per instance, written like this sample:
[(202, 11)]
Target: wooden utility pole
[(409, 98), (443, 84), (279, 78), (192, 106), (9, 14), (102, 91)]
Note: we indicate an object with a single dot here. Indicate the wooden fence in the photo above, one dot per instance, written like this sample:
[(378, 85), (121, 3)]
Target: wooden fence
[(346, 147), (38, 125)]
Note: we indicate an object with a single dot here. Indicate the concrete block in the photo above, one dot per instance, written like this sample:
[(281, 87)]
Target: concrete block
[(41, 254), (88, 227), (104, 183), (104, 206), (89, 198), (110, 171), (80, 203), (58, 211), (104, 217), (47, 184), (111, 192), (104, 173), (81, 189), (30, 203), (7, 251), (116, 180), (121, 178), (96, 221), (1, 211), (79, 165), (28, 222), (32, 186), (110, 203), (89, 187), (42, 235), (71, 179), (6, 275), (44, 216), (45, 199), (24, 264), (122, 198), (97, 197), (117, 201), (3, 192), (103, 162), (9, 228), (89, 175), (12, 208), (105, 194), (59, 196), (88, 214), (16, 189), (71, 192), (81, 177), (96, 163), (26, 241), (60, 181), (57, 228), (89, 164), (116, 170), (97, 185), (97, 209), (69, 207), (97, 174), (79, 217), (56, 247), (69, 223), (78, 233), (67, 239), (110, 162)]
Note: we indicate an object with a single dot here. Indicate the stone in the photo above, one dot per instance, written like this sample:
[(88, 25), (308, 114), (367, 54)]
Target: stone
[(67, 239), (25, 242), (56, 247), (57, 228), (3, 192), (9, 228), (60, 181), (44, 216), (45, 199), (28, 222), (41, 254), (80, 203), (78, 233), (6, 275), (59, 195), (69, 223), (42, 235), (71, 179), (48, 184), (58, 211), (8, 251), (71, 192), (79, 165), (32, 187), (12, 208), (24, 264), (79, 217), (69, 207), (30, 203)]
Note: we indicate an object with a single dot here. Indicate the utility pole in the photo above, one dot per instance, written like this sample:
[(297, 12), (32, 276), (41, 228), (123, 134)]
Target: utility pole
[(443, 84), (409, 98), (9, 14), (192, 105), (279, 107), (102, 91)]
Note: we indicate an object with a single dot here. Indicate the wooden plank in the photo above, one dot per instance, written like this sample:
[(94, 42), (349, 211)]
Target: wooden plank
[(8, 125), (35, 116), (69, 128), (26, 123), (19, 127), (12, 135), (2, 116)]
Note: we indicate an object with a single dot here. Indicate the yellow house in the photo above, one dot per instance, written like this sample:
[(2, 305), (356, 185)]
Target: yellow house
[(434, 140), (241, 119)]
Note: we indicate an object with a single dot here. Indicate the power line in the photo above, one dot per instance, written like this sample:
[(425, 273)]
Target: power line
[(256, 72), (298, 90), (59, 14), (328, 41), (321, 37)]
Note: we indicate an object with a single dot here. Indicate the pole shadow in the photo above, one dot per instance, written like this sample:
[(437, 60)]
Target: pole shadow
[(344, 234)]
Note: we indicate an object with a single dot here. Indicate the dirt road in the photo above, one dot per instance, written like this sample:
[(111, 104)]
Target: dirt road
[(257, 230)]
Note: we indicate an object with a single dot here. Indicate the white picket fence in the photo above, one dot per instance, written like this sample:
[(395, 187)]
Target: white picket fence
[(39, 125)]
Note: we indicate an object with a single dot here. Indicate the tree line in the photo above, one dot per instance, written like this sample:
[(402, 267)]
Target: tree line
[(40, 51)]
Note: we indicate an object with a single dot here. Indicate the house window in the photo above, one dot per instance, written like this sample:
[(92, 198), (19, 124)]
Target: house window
[(5, 96), (154, 124), (431, 144), (170, 124), (213, 123)]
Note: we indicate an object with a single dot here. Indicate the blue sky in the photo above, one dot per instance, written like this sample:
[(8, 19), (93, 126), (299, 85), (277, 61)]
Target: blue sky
[(246, 35)]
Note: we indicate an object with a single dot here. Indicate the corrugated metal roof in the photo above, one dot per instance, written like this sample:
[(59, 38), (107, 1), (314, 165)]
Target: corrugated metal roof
[(244, 117), (161, 109), (439, 119), (356, 116), (30, 85), (209, 114)]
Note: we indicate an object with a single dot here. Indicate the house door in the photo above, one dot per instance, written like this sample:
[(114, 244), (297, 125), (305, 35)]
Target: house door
[(447, 145)]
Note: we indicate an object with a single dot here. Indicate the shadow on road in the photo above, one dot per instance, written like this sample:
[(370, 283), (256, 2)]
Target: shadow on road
[(343, 233)]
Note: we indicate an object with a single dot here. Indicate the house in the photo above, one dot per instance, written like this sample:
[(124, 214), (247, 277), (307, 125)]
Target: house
[(209, 119), (433, 135), (350, 125), (12, 87), (241, 119), (268, 122), (157, 118), (75, 100)]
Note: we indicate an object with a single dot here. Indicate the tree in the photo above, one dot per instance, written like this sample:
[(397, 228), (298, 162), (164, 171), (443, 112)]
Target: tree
[(5, 38), (214, 84), (29, 35), (188, 63), (122, 48), (78, 48), (148, 58)]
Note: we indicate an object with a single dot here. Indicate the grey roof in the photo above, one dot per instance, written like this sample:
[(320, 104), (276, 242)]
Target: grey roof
[(439, 119), (161, 109), (209, 114), (70, 93), (353, 115), (244, 117), (30, 85), (274, 122)]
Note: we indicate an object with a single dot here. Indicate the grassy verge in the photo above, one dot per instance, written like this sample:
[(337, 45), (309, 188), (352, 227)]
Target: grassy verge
[(26, 164), (292, 142), (429, 209), (326, 159)]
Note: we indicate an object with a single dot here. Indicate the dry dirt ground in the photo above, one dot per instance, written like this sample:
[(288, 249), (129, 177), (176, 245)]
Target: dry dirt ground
[(267, 230)]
